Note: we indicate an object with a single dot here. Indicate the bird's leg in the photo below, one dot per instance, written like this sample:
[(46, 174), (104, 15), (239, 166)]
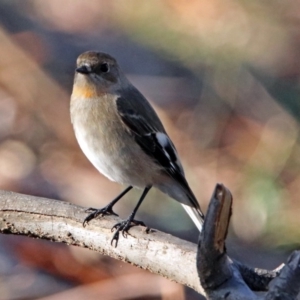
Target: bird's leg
[(124, 226), (107, 210)]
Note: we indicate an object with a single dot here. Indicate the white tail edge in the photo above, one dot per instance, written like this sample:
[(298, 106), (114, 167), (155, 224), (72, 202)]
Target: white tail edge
[(195, 215)]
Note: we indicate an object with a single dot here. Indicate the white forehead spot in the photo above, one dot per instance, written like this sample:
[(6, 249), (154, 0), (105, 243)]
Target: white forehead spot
[(88, 67)]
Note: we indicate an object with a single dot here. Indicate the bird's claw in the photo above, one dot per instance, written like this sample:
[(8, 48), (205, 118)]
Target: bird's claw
[(94, 213), (123, 227)]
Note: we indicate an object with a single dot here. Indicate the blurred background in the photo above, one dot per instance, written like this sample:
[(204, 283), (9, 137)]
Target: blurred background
[(224, 78)]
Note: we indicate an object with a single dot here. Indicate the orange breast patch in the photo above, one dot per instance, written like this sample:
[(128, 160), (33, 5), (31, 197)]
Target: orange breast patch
[(84, 91)]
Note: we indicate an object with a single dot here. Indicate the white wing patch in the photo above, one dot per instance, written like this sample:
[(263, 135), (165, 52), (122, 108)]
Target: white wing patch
[(169, 150), (162, 139)]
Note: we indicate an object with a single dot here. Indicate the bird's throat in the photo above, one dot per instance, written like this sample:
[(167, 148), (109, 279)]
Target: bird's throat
[(85, 91)]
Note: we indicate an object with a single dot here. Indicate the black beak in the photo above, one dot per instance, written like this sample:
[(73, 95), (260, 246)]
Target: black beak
[(83, 70)]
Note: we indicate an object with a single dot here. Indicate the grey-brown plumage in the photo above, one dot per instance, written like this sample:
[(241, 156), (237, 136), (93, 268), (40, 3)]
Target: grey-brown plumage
[(120, 133)]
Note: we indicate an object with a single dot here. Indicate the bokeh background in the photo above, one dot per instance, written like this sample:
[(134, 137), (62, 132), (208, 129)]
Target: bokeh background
[(224, 78)]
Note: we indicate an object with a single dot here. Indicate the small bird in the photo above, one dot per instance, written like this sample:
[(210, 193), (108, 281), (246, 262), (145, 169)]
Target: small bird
[(122, 136)]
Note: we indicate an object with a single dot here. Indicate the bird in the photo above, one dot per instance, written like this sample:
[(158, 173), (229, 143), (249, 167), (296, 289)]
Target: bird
[(120, 133)]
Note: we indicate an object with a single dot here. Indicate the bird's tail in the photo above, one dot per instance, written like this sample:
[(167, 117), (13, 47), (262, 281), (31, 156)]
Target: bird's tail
[(182, 193), (195, 214)]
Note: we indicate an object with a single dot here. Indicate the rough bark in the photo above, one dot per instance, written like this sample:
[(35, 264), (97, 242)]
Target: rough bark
[(158, 252), (223, 278), (61, 221)]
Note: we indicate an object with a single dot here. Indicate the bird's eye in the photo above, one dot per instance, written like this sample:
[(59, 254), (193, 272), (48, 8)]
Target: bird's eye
[(104, 68)]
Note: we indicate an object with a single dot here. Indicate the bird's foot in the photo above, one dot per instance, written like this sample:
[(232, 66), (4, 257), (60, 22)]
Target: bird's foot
[(94, 213), (123, 227)]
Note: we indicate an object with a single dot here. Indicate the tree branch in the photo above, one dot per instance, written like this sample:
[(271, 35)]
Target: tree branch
[(61, 221), (158, 252), (287, 285), (223, 278)]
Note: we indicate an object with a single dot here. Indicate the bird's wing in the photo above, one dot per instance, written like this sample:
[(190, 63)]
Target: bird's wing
[(154, 141)]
